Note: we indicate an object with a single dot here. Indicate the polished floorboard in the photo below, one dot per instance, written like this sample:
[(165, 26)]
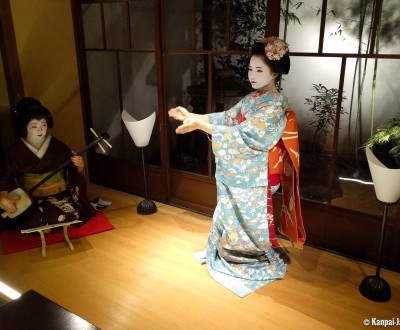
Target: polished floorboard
[(141, 275)]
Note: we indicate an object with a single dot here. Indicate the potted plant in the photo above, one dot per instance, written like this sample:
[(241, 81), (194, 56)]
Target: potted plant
[(383, 147), (383, 155), (385, 142)]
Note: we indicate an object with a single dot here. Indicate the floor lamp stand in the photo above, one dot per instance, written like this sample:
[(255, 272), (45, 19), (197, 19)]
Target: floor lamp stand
[(146, 206), (374, 287)]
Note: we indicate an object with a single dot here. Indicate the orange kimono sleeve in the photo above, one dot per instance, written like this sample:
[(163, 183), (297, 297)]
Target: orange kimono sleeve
[(286, 163)]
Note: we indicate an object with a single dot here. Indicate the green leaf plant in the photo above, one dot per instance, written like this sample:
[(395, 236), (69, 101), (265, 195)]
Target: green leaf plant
[(324, 106), (387, 133)]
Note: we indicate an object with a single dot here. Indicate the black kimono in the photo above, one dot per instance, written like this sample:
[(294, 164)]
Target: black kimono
[(60, 199)]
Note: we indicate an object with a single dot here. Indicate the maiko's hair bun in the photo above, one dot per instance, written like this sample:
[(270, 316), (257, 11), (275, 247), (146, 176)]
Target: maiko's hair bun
[(275, 52)]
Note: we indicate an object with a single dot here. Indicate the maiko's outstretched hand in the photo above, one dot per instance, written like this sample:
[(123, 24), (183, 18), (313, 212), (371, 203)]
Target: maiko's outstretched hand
[(179, 113), (190, 121), (189, 125)]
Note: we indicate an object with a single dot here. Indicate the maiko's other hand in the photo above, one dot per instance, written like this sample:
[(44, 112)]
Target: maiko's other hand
[(190, 124), (179, 113)]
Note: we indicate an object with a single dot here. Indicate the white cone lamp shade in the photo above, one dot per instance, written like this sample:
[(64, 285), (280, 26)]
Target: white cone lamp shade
[(139, 130), (386, 180)]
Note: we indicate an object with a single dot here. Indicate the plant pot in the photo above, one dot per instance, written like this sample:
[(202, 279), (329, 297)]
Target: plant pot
[(386, 180)]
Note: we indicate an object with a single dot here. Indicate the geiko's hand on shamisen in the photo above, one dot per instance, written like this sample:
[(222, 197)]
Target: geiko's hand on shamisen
[(78, 162), (9, 205)]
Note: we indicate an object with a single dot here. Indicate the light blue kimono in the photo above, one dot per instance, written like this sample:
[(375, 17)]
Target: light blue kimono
[(239, 254)]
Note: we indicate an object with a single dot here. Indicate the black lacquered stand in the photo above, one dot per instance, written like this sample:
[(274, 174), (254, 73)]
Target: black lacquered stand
[(374, 287), (146, 206)]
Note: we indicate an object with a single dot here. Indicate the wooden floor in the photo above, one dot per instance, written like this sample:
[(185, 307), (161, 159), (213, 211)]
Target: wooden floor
[(141, 275)]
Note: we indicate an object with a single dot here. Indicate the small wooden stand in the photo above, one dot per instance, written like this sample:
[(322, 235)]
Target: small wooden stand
[(41, 230)]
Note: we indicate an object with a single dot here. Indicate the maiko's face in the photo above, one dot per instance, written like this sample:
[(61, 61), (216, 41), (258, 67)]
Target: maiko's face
[(37, 131), (260, 75)]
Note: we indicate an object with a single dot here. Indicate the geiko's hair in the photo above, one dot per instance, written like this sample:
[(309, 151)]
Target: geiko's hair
[(29, 108)]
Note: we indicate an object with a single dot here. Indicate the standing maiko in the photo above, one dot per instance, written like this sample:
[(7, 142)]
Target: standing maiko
[(242, 252)]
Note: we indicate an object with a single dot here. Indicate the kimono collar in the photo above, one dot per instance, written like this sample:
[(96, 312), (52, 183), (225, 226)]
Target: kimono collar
[(42, 151)]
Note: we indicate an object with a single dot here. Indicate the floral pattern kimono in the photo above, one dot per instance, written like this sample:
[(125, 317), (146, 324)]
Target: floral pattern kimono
[(239, 254), (60, 199)]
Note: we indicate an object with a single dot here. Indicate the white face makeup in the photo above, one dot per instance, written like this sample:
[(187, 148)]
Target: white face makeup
[(37, 130), (260, 75)]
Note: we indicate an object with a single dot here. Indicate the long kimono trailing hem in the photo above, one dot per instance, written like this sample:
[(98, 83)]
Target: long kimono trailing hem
[(239, 254)]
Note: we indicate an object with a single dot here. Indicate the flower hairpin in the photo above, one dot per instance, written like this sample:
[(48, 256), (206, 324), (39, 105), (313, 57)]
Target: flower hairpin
[(275, 48)]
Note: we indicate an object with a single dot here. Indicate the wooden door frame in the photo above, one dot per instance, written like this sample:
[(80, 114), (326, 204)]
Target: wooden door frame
[(9, 53)]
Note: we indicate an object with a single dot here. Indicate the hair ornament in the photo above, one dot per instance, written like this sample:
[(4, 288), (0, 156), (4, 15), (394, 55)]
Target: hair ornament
[(275, 48)]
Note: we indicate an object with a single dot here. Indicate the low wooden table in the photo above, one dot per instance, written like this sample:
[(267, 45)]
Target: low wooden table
[(34, 311), (41, 230)]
